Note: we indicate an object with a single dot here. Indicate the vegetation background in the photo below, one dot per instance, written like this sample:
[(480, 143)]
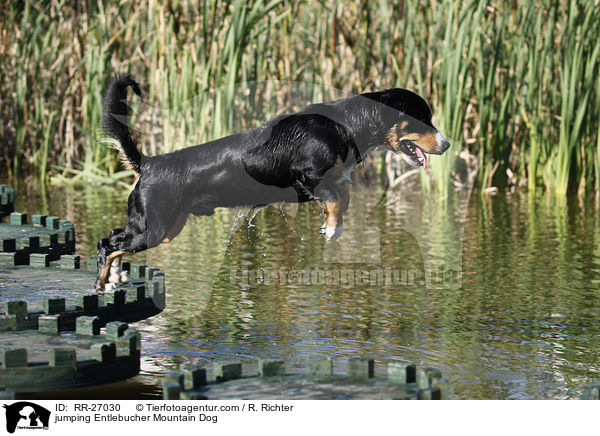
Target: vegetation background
[(517, 84)]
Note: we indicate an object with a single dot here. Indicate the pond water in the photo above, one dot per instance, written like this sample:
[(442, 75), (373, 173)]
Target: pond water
[(518, 317)]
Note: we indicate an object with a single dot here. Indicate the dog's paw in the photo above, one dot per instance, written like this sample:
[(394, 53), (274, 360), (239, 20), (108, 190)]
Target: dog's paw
[(118, 275), (110, 287), (124, 277), (115, 274), (333, 233)]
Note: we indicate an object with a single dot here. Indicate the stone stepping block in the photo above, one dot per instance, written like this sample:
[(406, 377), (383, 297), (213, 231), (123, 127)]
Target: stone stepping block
[(65, 289), (44, 234), (7, 200), (404, 381), (31, 361)]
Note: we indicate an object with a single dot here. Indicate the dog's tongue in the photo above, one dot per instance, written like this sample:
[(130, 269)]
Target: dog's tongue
[(421, 157)]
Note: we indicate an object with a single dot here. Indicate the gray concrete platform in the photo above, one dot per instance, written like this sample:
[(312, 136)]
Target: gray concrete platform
[(65, 289), (404, 381), (36, 362)]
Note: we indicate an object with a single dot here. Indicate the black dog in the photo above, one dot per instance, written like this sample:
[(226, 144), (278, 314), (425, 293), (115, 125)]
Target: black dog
[(296, 157)]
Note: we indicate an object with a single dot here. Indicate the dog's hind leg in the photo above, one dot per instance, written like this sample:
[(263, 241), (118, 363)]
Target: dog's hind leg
[(117, 274), (146, 228), (132, 240)]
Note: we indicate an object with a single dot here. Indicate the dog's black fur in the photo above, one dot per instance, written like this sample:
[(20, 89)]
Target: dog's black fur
[(294, 157)]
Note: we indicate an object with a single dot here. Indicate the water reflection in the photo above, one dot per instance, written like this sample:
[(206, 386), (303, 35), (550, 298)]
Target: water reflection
[(523, 323)]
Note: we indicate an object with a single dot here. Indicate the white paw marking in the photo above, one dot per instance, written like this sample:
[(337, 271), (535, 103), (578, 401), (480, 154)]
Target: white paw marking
[(118, 275), (124, 276), (115, 271), (333, 233), (110, 287)]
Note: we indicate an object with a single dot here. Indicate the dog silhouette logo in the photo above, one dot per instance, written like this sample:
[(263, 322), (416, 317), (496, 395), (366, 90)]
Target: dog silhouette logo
[(26, 415)]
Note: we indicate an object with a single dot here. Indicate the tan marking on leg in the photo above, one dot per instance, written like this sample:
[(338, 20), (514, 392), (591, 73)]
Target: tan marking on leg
[(114, 272), (176, 229), (335, 218), (106, 269), (332, 210)]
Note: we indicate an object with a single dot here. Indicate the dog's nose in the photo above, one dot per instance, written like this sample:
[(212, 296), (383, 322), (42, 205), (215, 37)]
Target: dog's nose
[(443, 143)]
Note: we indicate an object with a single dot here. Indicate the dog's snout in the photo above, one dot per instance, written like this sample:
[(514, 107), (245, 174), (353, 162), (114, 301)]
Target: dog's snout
[(443, 143)]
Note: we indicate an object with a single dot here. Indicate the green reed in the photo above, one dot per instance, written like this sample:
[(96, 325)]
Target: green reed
[(517, 84)]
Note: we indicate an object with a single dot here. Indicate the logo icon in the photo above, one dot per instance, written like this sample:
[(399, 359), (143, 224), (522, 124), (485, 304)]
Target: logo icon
[(26, 415)]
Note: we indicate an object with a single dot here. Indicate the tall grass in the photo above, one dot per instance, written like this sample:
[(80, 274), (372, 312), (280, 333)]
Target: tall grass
[(515, 83)]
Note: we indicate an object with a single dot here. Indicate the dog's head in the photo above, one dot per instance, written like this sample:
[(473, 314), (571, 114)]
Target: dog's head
[(412, 134)]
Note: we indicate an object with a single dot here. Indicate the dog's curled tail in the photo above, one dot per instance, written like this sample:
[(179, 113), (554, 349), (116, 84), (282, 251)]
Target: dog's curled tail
[(115, 119)]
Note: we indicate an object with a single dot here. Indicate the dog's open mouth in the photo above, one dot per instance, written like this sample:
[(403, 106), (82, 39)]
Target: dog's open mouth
[(412, 154)]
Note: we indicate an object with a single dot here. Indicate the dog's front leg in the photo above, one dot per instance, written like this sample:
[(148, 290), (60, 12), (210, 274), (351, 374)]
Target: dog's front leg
[(334, 221), (132, 240), (334, 211)]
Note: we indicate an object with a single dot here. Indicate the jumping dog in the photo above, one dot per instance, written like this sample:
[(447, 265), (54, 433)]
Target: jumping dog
[(296, 157)]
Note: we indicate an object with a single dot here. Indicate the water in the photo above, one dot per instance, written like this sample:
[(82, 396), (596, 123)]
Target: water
[(522, 324)]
